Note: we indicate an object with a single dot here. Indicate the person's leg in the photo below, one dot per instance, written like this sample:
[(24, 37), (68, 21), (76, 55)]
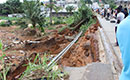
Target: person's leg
[(116, 38), (108, 15)]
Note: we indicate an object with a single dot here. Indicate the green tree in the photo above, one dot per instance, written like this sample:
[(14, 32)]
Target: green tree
[(88, 1), (84, 12), (11, 6), (14, 6), (33, 13), (69, 8), (52, 6)]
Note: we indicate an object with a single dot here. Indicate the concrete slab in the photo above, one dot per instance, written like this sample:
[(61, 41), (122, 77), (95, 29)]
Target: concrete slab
[(98, 71), (94, 71)]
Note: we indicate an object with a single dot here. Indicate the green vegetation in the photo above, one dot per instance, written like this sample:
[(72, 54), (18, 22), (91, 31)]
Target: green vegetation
[(8, 18), (5, 67), (39, 64), (52, 6), (69, 8), (3, 24), (8, 21), (61, 29), (84, 13), (22, 22), (69, 20), (86, 26), (51, 28), (10, 7), (32, 10), (110, 2), (50, 74), (88, 1)]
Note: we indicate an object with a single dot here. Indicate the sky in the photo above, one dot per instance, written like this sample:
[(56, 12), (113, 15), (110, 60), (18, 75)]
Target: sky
[(2, 1)]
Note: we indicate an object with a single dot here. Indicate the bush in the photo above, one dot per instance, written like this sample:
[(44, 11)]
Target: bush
[(22, 22), (69, 8), (63, 28), (69, 20), (9, 18), (86, 26), (84, 13), (6, 23)]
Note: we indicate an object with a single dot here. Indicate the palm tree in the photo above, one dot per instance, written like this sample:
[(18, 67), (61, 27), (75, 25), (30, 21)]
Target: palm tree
[(32, 11), (69, 8)]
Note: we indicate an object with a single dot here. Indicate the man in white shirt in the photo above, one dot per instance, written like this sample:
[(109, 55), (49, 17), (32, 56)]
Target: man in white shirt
[(108, 13), (120, 17)]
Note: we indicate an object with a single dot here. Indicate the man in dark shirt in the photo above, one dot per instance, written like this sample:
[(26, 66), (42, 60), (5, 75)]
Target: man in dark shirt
[(125, 12)]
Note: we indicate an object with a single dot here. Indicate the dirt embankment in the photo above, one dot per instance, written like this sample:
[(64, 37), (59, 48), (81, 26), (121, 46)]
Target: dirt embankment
[(22, 45), (84, 51)]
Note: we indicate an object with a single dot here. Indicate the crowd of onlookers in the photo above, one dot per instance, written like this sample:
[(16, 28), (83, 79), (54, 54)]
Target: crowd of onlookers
[(118, 14), (122, 30), (110, 13)]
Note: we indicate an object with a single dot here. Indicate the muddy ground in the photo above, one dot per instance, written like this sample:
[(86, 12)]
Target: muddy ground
[(21, 43)]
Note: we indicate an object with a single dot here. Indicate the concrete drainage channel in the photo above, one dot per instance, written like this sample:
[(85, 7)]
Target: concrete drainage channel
[(112, 57)]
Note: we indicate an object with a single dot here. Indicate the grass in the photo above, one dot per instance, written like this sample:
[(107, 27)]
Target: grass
[(9, 18), (87, 25), (51, 28), (69, 20), (49, 74), (62, 28), (5, 68)]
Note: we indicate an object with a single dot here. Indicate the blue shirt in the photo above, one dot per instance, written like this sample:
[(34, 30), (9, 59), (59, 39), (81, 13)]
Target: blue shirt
[(123, 37)]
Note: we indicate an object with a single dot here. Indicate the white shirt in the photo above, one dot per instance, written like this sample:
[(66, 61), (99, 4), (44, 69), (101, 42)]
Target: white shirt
[(120, 16)]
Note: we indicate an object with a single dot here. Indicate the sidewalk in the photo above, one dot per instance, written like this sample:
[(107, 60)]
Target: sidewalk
[(109, 29)]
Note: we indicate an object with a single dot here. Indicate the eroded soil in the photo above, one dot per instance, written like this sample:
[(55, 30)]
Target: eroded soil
[(21, 44)]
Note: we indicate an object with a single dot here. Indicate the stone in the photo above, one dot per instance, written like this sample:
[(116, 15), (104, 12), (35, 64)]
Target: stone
[(87, 45), (13, 57), (21, 51), (5, 58), (88, 36)]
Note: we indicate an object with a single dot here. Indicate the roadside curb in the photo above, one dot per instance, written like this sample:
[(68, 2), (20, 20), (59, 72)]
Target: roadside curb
[(111, 56)]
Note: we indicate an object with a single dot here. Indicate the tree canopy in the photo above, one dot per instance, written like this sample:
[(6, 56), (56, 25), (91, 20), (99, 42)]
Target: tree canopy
[(11, 6)]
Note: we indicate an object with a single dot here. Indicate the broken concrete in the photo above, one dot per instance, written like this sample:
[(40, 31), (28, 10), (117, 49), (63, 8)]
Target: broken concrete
[(98, 71), (94, 71)]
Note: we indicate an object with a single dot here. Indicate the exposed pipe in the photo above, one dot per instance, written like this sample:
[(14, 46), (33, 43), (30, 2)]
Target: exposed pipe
[(55, 59)]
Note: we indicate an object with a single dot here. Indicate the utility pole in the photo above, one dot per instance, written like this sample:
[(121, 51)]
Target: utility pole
[(51, 12)]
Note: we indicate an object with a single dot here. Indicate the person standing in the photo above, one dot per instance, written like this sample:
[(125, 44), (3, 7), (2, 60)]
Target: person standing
[(108, 13), (105, 12), (120, 17), (102, 12), (125, 12), (112, 11), (123, 37)]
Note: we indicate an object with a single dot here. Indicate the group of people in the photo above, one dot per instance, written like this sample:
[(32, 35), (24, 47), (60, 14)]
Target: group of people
[(122, 29), (119, 14), (111, 13)]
